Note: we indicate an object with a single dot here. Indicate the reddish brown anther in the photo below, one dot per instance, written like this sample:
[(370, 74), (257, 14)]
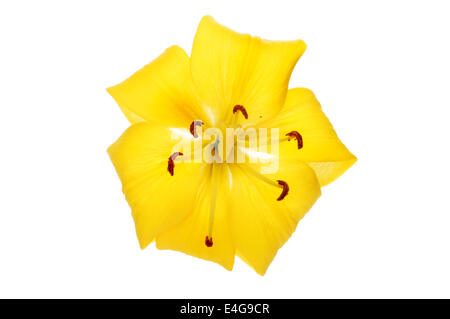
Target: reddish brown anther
[(208, 241), (285, 189), (297, 136), (192, 127), (171, 164), (242, 109)]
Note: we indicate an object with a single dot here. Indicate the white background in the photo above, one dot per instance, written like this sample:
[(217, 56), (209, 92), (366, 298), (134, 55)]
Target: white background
[(381, 71)]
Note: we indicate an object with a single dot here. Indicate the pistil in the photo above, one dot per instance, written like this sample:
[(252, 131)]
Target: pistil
[(212, 204), (208, 241)]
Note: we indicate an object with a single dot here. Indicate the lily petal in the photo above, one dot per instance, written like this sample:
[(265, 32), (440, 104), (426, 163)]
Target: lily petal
[(189, 235), (229, 68), (160, 92), (261, 224), (322, 149), (157, 199)]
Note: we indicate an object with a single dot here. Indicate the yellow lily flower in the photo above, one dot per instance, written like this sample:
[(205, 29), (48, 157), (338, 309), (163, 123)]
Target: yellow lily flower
[(216, 210)]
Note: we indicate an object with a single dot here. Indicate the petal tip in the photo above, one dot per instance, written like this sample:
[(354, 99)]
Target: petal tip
[(110, 91), (143, 243), (177, 49), (261, 271), (299, 48), (207, 18), (109, 150), (301, 45)]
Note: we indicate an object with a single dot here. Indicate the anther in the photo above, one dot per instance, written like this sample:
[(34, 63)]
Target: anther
[(208, 241), (171, 164), (297, 136), (285, 189), (242, 109), (192, 127)]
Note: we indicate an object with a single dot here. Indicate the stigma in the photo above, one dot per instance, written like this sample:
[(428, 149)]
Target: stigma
[(208, 241), (297, 136), (171, 164)]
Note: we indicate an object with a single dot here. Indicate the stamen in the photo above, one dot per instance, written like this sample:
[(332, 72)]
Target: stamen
[(259, 176), (192, 127), (208, 241), (171, 164), (297, 136), (269, 181), (285, 189), (242, 109), (212, 204)]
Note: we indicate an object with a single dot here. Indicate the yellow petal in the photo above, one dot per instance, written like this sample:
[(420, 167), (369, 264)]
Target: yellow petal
[(322, 149), (189, 236), (157, 199), (260, 223), (229, 68), (160, 92)]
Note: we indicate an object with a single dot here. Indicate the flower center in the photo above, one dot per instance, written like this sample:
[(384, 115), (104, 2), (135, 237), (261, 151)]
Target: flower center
[(214, 168)]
